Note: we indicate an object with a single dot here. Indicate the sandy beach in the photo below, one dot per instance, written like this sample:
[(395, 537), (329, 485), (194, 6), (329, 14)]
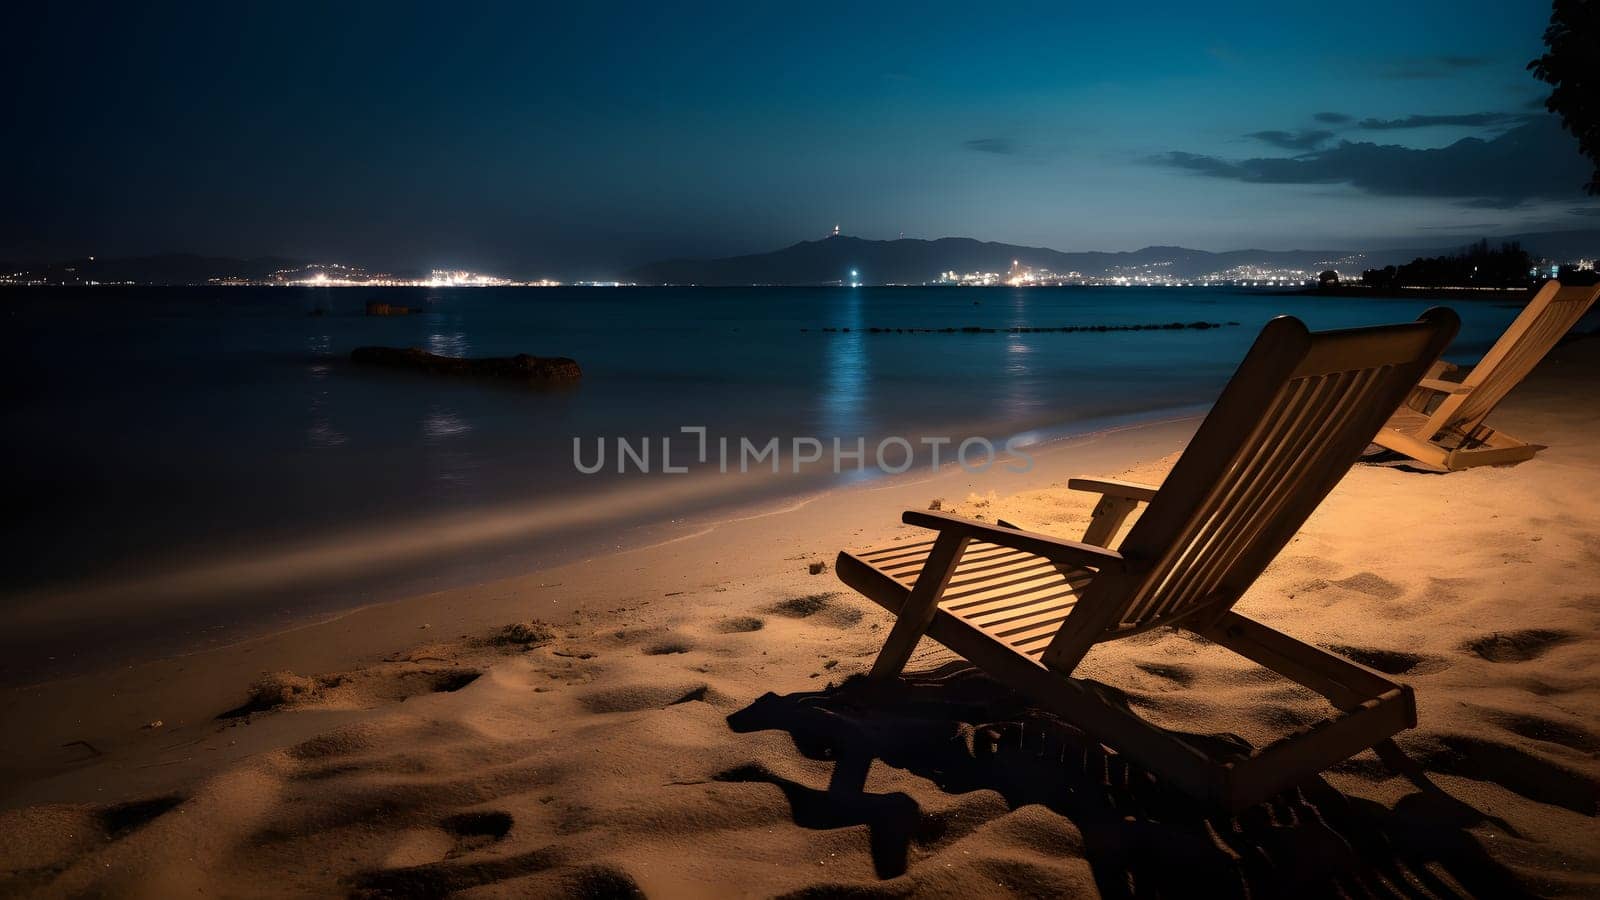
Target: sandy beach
[(667, 720)]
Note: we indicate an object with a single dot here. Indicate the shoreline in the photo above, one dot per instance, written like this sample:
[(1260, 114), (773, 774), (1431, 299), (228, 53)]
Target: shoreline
[(373, 565), (814, 527), (1461, 294)]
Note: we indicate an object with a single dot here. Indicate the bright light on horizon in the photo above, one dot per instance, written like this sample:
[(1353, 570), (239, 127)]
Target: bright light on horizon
[(319, 275)]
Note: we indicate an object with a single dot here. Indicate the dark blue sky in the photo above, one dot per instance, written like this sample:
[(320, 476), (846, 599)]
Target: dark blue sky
[(574, 141)]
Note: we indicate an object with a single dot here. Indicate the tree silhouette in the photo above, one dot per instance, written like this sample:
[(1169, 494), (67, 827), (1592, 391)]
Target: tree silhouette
[(1328, 277), (1477, 265), (1569, 66)]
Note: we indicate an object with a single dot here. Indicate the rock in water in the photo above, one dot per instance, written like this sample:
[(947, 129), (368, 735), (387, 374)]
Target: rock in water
[(521, 367)]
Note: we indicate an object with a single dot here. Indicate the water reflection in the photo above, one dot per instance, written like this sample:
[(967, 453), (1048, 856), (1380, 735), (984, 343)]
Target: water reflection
[(440, 424), (319, 430), (451, 463), (454, 343), (1019, 397), (845, 381)]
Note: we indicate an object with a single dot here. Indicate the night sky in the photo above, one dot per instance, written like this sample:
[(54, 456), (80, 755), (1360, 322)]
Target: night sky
[(574, 141)]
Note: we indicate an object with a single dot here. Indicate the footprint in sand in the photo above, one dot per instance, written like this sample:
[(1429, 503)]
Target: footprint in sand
[(1516, 646), (598, 881), (1550, 731), (668, 647), (803, 607), (740, 625), (125, 818), (448, 681), (476, 830), (401, 684), (823, 607), (1178, 675)]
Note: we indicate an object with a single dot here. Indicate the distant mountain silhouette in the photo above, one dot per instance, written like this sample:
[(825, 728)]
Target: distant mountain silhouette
[(908, 261), (829, 261)]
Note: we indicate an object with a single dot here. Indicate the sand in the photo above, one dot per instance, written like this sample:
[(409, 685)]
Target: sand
[(667, 721)]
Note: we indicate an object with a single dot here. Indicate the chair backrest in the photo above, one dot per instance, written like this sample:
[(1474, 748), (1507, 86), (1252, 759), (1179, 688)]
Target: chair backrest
[(1548, 316), (1291, 422)]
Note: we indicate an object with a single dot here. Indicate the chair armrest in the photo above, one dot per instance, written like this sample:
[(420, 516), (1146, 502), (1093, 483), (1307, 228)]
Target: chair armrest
[(1127, 490), (1052, 548), (1444, 387)]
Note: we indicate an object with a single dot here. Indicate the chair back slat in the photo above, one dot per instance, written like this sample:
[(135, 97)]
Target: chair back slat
[(1295, 416), (1542, 323)]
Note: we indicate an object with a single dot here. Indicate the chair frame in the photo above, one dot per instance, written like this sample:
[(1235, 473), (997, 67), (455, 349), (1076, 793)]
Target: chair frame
[(1369, 702), (1369, 706), (1454, 435)]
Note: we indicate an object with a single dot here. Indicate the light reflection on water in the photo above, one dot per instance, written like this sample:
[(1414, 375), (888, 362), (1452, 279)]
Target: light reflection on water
[(320, 431), (442, 424), (846, 374), (452, 344), (1019, 399)]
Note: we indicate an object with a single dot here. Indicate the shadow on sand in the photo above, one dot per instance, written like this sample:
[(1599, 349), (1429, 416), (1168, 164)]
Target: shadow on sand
[(964, 732)]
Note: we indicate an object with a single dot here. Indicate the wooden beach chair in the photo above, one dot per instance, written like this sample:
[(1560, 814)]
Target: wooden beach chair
[(1026, 607), (1451, 435)]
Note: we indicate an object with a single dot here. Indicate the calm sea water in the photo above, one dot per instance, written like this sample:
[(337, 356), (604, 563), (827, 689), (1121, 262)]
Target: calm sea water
[(148, 429)]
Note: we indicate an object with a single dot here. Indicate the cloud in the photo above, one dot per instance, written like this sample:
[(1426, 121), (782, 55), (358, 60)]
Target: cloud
[(1332, 118), (1536, 160), (1304, 139), (1425, 67), (1210, 165), (1000, 145), (1585, 210), (1470, 120)]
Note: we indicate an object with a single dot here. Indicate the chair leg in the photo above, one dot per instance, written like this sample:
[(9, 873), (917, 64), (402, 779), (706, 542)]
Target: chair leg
[(1490, 448), (917, 613), (1108, 516), (1423, 451)]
